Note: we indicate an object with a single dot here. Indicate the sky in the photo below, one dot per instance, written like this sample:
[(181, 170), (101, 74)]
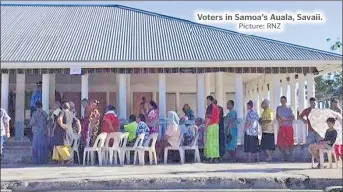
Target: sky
[(305, 34)]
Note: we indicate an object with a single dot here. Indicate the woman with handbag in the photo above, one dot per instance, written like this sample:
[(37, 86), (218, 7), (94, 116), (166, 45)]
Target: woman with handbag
[(230, 124)]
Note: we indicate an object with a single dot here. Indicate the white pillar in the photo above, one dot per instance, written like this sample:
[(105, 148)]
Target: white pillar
[(154, 96), (20, 106), (302, 103), (276, 86), (257, 100), (5, 79), (84, 90), (201, 95), (162, 95), (310, 86), (285, 87), (219, 88), (122, 80), (46, 92), (177, 103), (52, 89), (293, 93), (207, 84), (239, 97), (128, 95)]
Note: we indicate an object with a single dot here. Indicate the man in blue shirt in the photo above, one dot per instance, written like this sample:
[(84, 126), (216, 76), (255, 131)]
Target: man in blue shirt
[(36, 96)]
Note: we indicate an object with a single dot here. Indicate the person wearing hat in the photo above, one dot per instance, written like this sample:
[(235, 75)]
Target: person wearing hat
[(251, 142), (335, 106), (36, 96)]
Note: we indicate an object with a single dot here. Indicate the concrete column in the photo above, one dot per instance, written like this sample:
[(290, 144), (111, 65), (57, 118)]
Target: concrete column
[(257, 100), (154, 96), (293, 93), (239, 97), (52, 89), (84, 90), (162, 95), (302, 103), (207, 84), (122, 82), (310, 86), (201, 95), (285, 87), (219, 88), (5, 80), (128, 94), (46, 92), (177, 103), (276, 92), (20, 106)]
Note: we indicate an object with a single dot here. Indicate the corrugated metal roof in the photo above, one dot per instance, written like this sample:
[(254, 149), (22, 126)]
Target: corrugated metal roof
[(42, 33)]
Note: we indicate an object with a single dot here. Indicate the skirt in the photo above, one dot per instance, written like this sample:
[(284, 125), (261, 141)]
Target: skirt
[(61, 152), (232, 143), (211, 148), (267, 142), (285, 137), (251, 144)]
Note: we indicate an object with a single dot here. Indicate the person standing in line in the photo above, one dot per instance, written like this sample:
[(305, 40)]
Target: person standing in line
[(266, 122), (153, 118), (85, 123), (285, 138), (62, 152), (312, 136), (251, 142), (36, 96), (40, 135), (222, 135), (231, 129), (94, 123), (189, 113), (5, 128), (211, 148), (335, 106)]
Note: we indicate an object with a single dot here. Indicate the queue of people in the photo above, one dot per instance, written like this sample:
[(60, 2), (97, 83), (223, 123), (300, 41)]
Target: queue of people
[(54, 133)]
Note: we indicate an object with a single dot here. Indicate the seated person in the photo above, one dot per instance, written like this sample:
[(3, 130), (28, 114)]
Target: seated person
[(328, 141), (172, 135), (131, 128)]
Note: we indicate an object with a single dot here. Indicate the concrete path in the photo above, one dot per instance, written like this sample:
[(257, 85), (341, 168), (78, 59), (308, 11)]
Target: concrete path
[(176, 176)]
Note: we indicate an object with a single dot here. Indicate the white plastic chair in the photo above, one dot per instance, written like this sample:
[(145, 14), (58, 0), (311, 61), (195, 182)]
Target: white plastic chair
[(179, 148), (330, 153), (193, 146), (146, 148), (75, 147), (110, 151), (88, 153), (127, 150)]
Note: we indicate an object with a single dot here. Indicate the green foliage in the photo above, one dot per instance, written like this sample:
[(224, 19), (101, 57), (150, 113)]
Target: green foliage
[(330, 85)]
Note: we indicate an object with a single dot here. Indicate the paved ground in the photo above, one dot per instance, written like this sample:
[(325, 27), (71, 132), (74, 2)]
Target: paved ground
[(188, 176)]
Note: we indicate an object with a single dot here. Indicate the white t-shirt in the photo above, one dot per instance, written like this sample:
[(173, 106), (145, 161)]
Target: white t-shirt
[(3, 119)]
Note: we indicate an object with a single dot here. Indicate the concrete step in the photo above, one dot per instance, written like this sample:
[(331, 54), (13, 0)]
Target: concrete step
[(17, 152)]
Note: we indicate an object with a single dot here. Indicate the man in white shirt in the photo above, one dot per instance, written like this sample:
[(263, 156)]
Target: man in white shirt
[(5, 127)]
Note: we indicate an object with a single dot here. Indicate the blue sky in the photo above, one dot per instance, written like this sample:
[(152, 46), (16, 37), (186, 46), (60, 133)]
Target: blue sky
[(311, 35)]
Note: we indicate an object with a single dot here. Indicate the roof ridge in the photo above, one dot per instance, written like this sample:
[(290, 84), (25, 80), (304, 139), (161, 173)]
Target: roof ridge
[(179, 19)]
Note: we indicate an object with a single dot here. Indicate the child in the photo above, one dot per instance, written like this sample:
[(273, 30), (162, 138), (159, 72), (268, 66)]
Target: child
[(328, 141)]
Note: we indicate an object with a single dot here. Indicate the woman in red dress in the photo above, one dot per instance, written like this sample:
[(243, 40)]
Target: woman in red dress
[(111, 122)]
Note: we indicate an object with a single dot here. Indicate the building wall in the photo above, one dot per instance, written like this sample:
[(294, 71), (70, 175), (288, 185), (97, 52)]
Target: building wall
[(104, 87)]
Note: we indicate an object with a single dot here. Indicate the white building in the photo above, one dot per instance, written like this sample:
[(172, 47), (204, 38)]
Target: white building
[(125, 53)]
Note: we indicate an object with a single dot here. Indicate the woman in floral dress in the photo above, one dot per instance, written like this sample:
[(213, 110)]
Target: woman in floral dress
[(94, 123), (153, 118)]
